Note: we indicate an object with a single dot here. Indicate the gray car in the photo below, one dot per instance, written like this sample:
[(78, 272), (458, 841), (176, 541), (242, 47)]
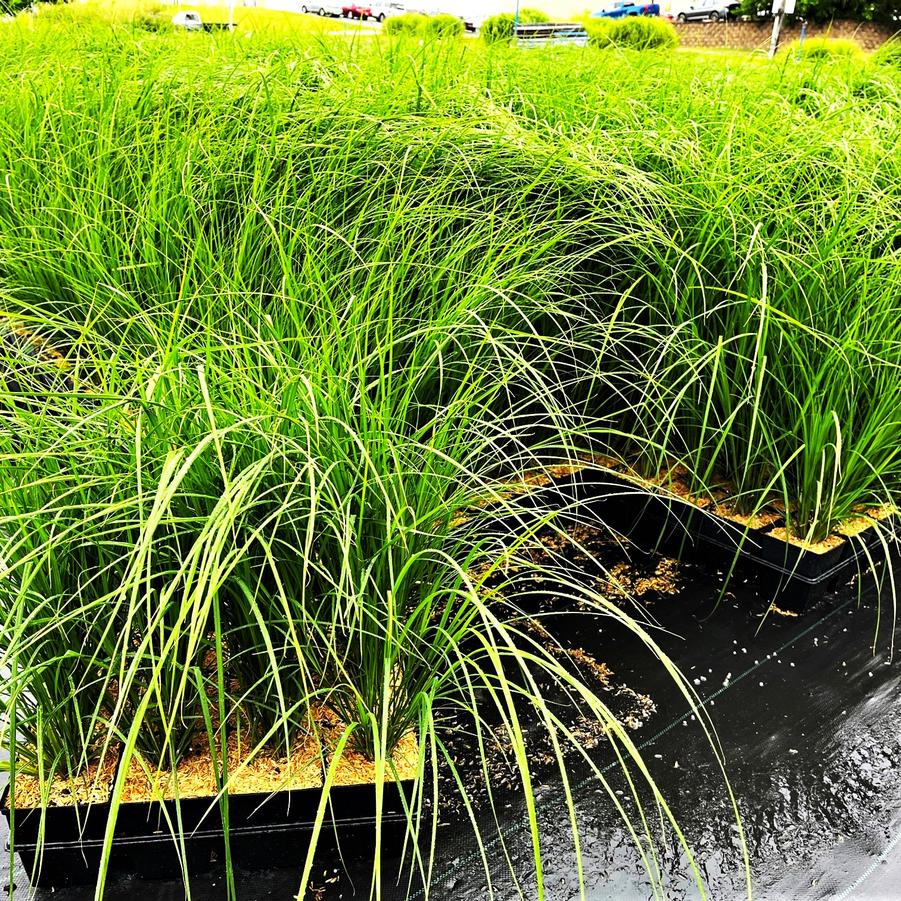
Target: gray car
[(708, 11)]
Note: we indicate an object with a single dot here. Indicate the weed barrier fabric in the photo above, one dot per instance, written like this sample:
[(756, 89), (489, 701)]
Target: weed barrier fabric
[(808, 719), (809, 722)]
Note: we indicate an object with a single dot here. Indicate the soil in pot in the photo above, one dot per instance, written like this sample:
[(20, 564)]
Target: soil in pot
[(248, 772), (91, 786)]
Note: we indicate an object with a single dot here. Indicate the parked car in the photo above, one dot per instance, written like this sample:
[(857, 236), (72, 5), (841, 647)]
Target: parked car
[(356, 11), (708, 11), (381, 10), (191, 21), (622, 8), (323, 9)]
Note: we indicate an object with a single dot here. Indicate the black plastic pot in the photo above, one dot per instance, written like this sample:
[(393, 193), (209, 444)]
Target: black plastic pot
[(141, 818), (265, 830), (274, 837), (87, 821), (664, 524)]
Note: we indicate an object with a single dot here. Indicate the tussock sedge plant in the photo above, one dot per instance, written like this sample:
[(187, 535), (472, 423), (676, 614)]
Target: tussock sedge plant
[(828, 48), (257, 489), (889, 53), (632, 32), (761, 326), (442, 25), (313, 546), (501, 27), (283, 315)]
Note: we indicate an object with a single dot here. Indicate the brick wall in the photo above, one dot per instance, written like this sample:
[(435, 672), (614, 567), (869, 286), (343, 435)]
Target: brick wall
[(753, 35)]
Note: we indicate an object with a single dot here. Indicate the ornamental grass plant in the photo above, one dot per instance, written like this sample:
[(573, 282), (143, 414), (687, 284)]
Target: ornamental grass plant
[(764, 348), (292, 374), (639, 33), (285, 533), (829, 48)]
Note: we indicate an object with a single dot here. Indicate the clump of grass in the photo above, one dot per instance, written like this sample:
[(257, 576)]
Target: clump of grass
[(637, 33), (828, 49), (444, 25), (325, 555), (734, 329), (598, 31), (406, 24), (500, 27), (889, 53)]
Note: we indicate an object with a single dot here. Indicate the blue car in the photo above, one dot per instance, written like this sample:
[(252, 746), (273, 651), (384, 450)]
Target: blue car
[(620, 9)]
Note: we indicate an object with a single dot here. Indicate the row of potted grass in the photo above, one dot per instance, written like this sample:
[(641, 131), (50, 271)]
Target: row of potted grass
[(275, 331), (233, 484)]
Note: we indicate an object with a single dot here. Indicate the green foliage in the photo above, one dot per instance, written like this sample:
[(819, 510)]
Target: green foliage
[(315, 304), (889, 54), (309, 327), (407, 24), (500, 27), (444, 25), (497, 28), (632, 33), (828, 48), (598, 32), (415, 24), (638, 33), (887, 11)]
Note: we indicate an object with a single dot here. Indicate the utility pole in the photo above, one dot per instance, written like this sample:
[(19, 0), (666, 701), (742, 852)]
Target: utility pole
[(515, 18), (781, 9), (779, 15)]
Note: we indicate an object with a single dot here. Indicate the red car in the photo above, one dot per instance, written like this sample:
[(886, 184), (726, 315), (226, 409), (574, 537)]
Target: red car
[(356, 11)]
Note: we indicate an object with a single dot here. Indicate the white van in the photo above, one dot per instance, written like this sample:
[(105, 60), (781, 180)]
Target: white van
[(322, 9), (382, 10)]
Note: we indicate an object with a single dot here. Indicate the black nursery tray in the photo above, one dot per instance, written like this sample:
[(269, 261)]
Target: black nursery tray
[(265, 830), (666, 524)]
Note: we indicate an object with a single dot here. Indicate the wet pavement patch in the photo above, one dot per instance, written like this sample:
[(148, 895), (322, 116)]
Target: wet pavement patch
[(807, 714)]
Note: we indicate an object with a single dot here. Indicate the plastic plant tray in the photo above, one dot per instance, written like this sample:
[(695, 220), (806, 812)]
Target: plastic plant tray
[(265, 830), (61, 823), (669, 525)]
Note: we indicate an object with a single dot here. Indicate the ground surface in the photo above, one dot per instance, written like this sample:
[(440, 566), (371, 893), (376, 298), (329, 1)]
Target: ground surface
[(808, 719)]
